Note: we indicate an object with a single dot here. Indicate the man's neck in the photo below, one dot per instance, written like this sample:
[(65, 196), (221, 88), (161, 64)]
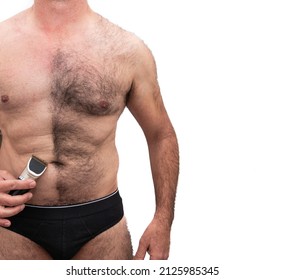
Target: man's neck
[(57, 15)]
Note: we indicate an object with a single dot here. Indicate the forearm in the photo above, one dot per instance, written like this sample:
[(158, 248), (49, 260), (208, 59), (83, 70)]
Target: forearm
[(164, 157)]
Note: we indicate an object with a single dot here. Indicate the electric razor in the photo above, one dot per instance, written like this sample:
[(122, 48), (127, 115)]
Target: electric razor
[(34, 169)]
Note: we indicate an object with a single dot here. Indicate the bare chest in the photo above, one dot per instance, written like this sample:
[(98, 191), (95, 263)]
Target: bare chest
[(85, 82), (93, 85)]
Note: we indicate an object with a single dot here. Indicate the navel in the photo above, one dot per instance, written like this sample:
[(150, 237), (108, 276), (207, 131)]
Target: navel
[(4, 98)]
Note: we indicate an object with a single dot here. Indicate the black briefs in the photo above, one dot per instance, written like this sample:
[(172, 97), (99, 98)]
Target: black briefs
[(63, 230)]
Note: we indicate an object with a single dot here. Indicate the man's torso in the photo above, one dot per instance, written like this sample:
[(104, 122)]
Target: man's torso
[(61, 98)]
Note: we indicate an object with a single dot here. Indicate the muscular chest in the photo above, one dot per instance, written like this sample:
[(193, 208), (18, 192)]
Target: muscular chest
[(23, 83), (66, 80), (88, 85)]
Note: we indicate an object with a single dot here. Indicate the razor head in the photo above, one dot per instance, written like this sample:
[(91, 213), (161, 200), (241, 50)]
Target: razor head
[(37, 166), (34, 169)]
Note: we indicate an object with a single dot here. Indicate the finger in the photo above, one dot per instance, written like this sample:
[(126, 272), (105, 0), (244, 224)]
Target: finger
[(10, 201), (159, 252), (141, 252), (5, 223), (158, 256), (5, 175), (8, 185), (6, 212)]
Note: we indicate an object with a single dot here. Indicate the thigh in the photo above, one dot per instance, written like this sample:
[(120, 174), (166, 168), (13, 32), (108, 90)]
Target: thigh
[(112, 244), (16, 247)]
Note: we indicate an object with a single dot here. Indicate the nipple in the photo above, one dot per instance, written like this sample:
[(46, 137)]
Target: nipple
[(4, 98), (104, 105)]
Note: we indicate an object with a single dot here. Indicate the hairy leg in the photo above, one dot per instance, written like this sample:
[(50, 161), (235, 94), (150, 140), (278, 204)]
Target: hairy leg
[(112, 244), (16, 247)]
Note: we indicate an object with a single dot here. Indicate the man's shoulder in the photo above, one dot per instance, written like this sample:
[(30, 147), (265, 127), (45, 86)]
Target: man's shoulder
[(5, 26), (10, 26), (120, 34), (6, 33), (118, 42)]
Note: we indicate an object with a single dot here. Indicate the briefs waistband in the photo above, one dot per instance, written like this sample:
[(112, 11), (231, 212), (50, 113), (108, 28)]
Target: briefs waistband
[(72, 210)]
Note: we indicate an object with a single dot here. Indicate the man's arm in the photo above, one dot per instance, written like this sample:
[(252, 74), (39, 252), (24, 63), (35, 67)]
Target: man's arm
[(146, 105)]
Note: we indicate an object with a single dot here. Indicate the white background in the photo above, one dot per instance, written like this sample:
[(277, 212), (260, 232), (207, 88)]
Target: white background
[(221, 67)]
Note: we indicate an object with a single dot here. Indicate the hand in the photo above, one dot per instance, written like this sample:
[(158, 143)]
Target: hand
[(12, 205), (155, 241)]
